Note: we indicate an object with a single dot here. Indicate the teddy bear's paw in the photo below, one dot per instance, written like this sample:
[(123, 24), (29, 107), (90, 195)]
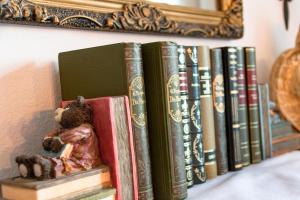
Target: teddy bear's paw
[(41, 167), (25, 166)]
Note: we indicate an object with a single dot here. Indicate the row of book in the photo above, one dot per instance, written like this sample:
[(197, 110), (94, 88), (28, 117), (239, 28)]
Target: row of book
[(194, 110)]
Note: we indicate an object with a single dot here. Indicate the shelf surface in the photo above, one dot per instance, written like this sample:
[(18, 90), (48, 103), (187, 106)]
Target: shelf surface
[(273, 179)]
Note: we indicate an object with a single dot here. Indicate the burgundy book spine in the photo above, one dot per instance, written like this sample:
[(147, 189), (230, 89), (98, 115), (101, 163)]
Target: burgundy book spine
[(253, 112)]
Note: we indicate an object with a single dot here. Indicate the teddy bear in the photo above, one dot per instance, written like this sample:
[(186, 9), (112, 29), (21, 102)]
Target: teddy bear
[(71, 148)]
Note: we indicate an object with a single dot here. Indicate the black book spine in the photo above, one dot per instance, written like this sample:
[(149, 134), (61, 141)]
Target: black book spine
[(219, 110), (193, 83), (184, 92), (229, 55), (243, 108)]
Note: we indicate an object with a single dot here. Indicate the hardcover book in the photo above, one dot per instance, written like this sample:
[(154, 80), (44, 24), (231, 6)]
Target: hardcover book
[(193, 83), (286, 144), (229, 55), (207, 113), (184, 92), (219, 110), (281, 128), (243, 108), (112, 123), (93, 194), (18, 188), (165, 120), (265, 120), (112, 70), (253, 113)]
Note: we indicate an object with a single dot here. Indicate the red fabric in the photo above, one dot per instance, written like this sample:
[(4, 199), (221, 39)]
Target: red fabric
[(103, 121)]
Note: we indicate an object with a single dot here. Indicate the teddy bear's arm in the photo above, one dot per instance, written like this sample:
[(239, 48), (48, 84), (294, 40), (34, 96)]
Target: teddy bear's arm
[(76, 134), (52, 134)]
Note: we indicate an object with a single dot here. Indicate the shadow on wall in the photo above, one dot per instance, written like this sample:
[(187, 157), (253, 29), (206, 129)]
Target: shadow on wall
[(29, 96)]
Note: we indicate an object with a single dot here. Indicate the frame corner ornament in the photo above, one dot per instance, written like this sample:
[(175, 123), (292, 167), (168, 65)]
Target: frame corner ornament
[(134, 16)]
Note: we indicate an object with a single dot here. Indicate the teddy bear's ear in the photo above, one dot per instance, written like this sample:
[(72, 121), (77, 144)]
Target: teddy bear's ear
[(80, 100)]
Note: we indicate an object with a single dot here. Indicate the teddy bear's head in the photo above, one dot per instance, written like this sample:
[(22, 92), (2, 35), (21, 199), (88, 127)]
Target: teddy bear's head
[(74, 114)]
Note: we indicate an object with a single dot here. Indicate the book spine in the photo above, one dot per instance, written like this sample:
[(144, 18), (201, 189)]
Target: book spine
[(252, 98), (136, 93), (265, 105), (262, 124), (184, 92), (193, 83), (171, 74), (232, 112), (219, 110), (207, 114), (243, 111)]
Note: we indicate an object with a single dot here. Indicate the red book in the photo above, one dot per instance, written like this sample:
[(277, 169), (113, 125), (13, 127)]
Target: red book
[(112, 122)]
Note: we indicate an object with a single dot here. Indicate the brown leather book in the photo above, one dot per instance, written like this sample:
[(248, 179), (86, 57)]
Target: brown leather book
[(253, 112), (112, 70), (207, 113), (184, 92), (219, 110), (165, 120)]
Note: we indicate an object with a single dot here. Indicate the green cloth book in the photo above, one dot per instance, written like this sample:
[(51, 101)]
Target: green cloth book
[(112, 70), (165, 120)]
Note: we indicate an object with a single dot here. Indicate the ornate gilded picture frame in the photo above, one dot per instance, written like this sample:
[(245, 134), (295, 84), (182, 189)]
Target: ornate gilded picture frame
[(128, 15)]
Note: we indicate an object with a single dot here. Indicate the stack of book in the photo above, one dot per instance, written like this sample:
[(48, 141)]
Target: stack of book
[(196, 112)]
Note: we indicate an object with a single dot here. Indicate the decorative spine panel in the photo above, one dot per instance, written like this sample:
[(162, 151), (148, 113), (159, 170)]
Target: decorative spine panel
[(193, 83), (184, 92)]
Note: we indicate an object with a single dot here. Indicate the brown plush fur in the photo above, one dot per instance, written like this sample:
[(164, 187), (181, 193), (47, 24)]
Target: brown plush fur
[(76, 113)]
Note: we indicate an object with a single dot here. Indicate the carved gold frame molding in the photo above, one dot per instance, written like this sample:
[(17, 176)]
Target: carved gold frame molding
[(127, 15)]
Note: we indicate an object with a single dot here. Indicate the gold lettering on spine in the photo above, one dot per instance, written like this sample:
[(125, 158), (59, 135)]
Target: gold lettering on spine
[(194, 115), (174, 99), (218, 92), (136, 97)]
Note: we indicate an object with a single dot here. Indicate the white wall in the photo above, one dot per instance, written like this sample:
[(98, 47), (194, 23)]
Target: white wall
[(29, 82)]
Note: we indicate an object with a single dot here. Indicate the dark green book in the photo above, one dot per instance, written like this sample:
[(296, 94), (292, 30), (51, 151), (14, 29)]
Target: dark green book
[(229, 55), (253, 112), (165, 120), (219, 110), (184, 92), (243, 107), (193, 83), (112, 70)]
